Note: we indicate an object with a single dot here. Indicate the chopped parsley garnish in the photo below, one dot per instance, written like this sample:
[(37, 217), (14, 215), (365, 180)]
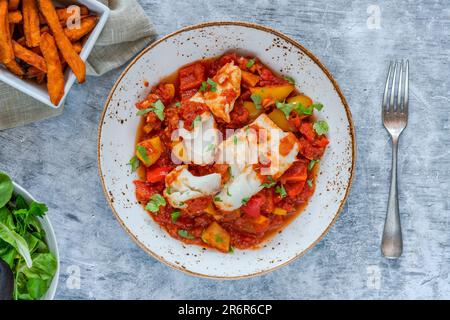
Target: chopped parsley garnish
[(178, 104), (269, 184), (321, 127), (212, 84), (312, 163), (175, 215), (197, 120), (203, 86), (143, 153), (217, 199), (245, 201), (230, 173), (135, 163), (235, 139), (155, 202), (211, 147), (289, 79), (218, 239), (298, 107), (168, 190), (185, 234), (158, 109), (317, 106), (310, 183), (228, 192), (281, 191), (256, 98), (250, 63), (231, 249)]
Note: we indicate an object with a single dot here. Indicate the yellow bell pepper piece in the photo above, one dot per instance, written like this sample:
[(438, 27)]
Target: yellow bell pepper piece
[(279, 212), (149, 151), (277, 93), (253, 113), (279, 118), (304, 100)]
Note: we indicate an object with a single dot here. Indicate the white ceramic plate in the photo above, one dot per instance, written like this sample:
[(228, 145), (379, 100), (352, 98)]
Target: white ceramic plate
[(117, 133), (50, 239), (39, 91)]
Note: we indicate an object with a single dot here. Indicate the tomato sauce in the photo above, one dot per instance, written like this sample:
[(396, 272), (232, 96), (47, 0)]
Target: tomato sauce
[(268, 211)]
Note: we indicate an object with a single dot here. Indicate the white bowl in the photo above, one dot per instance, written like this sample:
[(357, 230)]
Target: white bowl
[(39, 91), (119, 123), (49, 237)]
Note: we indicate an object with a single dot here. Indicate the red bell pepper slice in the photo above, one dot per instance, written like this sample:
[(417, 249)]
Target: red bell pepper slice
[(157, 174)]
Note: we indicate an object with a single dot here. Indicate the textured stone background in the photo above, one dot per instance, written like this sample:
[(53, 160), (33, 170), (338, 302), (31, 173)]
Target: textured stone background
[(56, 161)]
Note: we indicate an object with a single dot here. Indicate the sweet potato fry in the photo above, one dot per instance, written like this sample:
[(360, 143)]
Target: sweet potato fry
[(6, 49), (31, 23), (15, 68), (35, 73), (29, 57), (86, 26), (13, 5), (65, 46), (15, 16), (55, 77)]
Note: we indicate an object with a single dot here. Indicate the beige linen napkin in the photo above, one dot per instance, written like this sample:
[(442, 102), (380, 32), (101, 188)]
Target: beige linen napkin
[(121, 39)]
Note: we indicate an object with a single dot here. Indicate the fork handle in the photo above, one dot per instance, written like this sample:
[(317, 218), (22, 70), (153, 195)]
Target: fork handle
[(392, 242)]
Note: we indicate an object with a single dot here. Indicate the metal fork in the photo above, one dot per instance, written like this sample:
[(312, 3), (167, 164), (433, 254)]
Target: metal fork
[(395, 119)]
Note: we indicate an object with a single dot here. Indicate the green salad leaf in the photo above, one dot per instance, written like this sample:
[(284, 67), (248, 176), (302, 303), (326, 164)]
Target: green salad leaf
[(22, 243), (6, 189)]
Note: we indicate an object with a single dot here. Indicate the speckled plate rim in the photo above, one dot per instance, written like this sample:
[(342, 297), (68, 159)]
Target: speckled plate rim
[(294, 43)]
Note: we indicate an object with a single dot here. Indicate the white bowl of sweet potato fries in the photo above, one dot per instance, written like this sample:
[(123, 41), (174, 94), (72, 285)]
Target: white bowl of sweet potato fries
[(44, 45)]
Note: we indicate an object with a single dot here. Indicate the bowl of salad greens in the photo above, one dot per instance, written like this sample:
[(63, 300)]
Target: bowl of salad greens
[(27, 243)]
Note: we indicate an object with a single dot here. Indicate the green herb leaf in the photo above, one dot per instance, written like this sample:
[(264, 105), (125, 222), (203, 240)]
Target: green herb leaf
[(143, 153), (135, 163), (158, 109), (175, 215), (178, 104), (231, 249), (289, 79), (203, 86), (310, 183), (168, 190), (217, 199), (321, 127), (312, 163), (6, 189), (228, 192), (197, 121), (245, 201), (218, 238), (250, 63), (317, 106), (285, 107), (211, 147), (235, 139), (256, 98), (212, 84), (185, 234), (281, 191), (155, 202), (271, 183)]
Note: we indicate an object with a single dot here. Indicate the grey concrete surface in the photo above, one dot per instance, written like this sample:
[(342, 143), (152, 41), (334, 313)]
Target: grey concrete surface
[(56, 161)]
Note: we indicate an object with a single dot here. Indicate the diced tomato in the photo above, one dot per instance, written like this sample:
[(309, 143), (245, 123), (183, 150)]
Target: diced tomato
[(197, 205), (147, 102), (309, 151), (321, 141), (268, 78), (166, 92), (296, 173), (191, 76), (253, 207), (144, 190), (190, 110), (157, 174), (294, 188), (307, 131)]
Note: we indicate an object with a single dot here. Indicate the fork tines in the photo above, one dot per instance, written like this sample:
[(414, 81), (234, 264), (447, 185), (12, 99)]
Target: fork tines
[(395, 100)]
